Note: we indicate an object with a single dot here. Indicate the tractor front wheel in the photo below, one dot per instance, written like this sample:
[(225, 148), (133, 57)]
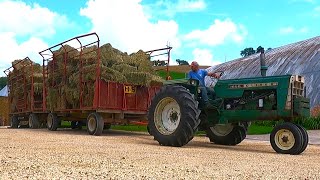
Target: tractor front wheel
[(226, 134), (287, 138), (173, 116)]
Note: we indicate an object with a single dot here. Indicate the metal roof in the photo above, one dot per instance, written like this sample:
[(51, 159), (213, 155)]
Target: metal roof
[(300, 58)]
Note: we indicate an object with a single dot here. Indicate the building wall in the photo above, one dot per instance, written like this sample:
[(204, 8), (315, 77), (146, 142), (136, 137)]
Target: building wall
[(4, 111)]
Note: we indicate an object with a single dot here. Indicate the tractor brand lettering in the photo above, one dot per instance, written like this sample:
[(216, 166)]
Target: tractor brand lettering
[(239, 86), (129, 89)]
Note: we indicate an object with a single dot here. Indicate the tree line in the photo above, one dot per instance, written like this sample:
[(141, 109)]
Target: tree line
[(249, 51)]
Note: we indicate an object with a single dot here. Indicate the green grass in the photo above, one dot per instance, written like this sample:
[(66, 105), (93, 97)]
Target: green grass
[(129, 128), (256, 129), (174, 75)]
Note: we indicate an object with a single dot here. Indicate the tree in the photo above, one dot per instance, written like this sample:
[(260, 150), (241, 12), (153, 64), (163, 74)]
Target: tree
[(182, 62), (247, 52), (259, 49), (3, 82)]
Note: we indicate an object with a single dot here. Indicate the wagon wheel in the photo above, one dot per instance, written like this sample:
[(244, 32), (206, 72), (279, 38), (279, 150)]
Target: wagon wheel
[(95, 124), (52, 122), (14, 122), (173, 116), (34, 122), (287, 138)]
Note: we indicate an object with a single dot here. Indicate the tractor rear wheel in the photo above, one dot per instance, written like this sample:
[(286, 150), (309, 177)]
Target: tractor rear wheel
[(14, 122), (34, 122), (173, 116), (95, 124), (52, 122), (287, 138), (226, 134)]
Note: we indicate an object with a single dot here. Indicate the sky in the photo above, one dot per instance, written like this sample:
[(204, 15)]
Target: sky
[(208, 31)]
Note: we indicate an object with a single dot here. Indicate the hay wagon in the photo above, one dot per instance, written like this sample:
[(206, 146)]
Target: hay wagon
[(25, 94), (87, 84)]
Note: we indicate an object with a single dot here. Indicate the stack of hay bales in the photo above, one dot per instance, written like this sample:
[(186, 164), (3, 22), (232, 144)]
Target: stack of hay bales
[(115, 66), (21, 78)]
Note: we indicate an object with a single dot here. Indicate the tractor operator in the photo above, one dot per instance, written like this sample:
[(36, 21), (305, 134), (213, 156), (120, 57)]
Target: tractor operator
[(200, 74)]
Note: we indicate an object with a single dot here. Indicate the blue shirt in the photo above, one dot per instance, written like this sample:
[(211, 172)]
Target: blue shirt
[(199, 75)]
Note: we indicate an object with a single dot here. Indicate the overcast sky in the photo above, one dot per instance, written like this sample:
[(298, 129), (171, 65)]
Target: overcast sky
[(209, 31)]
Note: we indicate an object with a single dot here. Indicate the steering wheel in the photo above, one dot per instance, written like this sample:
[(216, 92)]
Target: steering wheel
[(215, 80), (221, 73)]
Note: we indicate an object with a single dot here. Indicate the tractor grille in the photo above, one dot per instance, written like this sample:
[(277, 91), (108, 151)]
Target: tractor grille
[(296, 88), (297, 83)]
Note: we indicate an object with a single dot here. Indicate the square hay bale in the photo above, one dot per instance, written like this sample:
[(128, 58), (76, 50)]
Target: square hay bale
[(143, 79), (123, 68)]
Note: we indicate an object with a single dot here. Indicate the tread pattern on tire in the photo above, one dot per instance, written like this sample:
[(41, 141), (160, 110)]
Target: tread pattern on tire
[(189, 116), (305, 139)]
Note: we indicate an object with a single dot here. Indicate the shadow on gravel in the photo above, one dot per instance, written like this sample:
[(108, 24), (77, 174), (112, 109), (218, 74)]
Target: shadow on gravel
[(68, 131), (208, 145)]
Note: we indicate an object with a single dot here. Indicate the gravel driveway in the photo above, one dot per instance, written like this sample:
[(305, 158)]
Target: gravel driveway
[(72, 154)]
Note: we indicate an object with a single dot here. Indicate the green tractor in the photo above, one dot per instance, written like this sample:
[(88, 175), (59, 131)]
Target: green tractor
[(177, 111)]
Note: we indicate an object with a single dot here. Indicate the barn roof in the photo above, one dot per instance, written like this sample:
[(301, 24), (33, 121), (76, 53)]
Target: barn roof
[(301, 58)]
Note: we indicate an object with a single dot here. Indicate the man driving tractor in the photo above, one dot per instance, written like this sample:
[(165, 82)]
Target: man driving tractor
[(200, 74)]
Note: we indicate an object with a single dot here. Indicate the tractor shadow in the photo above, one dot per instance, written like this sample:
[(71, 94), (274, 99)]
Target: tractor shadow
[(252, 146)]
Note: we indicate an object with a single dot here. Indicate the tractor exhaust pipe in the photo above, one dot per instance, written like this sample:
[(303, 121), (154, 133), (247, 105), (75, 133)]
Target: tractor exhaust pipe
[(263, 66)]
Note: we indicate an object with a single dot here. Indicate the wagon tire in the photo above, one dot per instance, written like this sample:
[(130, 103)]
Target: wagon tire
[(173, 116), (52, 122), (14, 122), (34, 122), (95, 124), (286, 138)]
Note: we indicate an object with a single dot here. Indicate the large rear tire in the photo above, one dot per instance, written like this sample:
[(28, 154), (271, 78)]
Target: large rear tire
[(287, 138), (226, 134), (34, 122), (95, 124), (52, 122), (14, 122), (173, 116)]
